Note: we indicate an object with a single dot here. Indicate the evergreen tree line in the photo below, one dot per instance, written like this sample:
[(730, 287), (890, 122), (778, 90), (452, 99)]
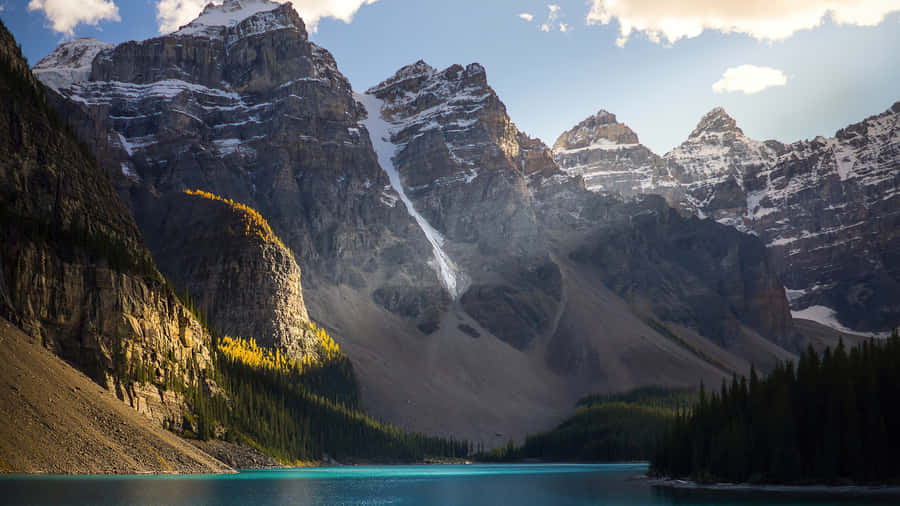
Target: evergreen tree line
[(605, 428), (297, 414), (289, 418), (832, 419)]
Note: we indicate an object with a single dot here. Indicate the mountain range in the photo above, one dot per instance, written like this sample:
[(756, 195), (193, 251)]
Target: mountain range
[(479, 281), (827, 209)]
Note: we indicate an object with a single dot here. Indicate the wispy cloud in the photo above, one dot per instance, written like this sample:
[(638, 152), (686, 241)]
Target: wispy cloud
[(65, 15), (526, 16), (749, 79), (763, 20), (171, 14), (552, 19)]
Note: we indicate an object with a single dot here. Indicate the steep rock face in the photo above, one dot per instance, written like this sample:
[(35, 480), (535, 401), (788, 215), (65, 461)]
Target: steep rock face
[(465, 168), (608, 155), (459, 155), (74, 273), (669, 268), (240, 103), (827, 209), (243, 276), (691, 272), (830, 212)]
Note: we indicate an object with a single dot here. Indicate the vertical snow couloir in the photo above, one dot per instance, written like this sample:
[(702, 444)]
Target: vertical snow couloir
[(453, 279)]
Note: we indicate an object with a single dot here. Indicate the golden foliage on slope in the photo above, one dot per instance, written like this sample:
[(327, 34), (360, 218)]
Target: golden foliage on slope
[(245, 350), (254, 223)]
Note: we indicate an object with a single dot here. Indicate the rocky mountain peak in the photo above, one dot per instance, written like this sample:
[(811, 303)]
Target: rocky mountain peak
[(715, 121), (601, 129), (416, 71), (607, 155), (70, 62), (604, 117)]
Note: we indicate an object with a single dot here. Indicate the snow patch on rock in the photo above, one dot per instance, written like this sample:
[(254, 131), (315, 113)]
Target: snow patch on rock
[(380, 132), (227, 14), (828, 317), (69, 63)]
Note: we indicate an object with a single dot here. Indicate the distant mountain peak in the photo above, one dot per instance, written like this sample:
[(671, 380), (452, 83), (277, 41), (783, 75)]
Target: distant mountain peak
[(716, 121), (601, 129)]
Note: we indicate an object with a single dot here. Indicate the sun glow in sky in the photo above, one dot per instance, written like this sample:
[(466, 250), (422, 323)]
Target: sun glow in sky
[(787, 70)]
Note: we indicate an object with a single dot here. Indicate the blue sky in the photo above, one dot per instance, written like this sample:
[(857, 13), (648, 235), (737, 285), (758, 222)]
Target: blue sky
[(835, 74)]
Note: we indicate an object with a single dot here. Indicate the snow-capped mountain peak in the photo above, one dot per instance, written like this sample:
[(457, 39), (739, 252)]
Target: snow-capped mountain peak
[(69, 63), (718, 148), (230, 13)]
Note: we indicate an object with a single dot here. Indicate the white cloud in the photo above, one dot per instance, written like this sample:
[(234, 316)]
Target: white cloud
[(171, 14), (313, 10), (749, 79), (552, 19), (760, 19), (65, 15), (526, 16)]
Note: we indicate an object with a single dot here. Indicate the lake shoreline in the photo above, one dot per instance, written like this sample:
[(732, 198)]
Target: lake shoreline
[(864, 490)]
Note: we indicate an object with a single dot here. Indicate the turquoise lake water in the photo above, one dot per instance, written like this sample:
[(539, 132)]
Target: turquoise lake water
[(557, 485)]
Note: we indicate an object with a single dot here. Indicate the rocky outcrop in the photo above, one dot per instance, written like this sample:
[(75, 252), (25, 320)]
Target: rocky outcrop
[(225, 256), (825, 208), (74, 274)]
